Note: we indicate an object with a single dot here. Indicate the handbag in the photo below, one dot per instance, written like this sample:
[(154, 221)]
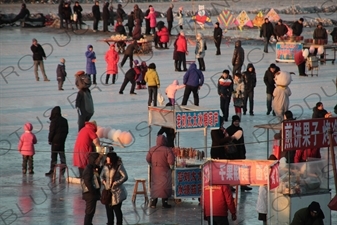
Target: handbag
[(230, 148), (160, 98), (106, 195), (238, 102)]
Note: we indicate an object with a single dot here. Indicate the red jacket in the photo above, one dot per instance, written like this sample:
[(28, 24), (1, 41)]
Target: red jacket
[(181, 44), (222, 200), (303, 155), (83, 145), (111, 59), (163, 35), (299, 58), (27, 141)]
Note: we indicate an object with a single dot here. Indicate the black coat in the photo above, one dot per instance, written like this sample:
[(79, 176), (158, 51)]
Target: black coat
[(78, 10), (249, 78), (58, 128), (61, 7), (61, 72), (320, 33), (218, 142), (120, 13), (88, 178), (131, 74), (131, 21), (96, 12), (138, 14), (297, 28), (130, 49), (226, 91), (120, 29), (240, 144), (38, 52), (170, 135), (238, 54), (269, 81), (280, 30), (318, 113), (217, 33), (267, 30), (169, 15), (334, 35), (137, 31), (66, 13), (106, 13)]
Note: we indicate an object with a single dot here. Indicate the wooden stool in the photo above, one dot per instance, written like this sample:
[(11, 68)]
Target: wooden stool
[(136, 192), (60, 166)]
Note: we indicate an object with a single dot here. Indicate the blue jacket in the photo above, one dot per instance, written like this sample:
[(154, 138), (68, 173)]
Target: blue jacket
[(91, 67), (193, 77)]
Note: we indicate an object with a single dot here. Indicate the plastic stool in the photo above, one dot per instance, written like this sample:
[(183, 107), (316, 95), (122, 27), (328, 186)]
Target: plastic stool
[(60, 166), (136, 192)]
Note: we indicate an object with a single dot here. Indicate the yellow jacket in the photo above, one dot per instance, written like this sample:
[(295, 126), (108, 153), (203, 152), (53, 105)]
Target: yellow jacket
[(152, 78)]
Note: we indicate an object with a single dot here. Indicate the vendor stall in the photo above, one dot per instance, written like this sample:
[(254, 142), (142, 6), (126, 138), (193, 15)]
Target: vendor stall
[(121, 41), (187, 172), (327, 57), (285, 51)]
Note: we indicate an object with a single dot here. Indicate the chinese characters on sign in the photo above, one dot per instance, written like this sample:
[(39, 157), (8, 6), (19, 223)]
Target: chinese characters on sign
[(312, 133), (188, 182), (200, 119), (286, 51), (242, 172)]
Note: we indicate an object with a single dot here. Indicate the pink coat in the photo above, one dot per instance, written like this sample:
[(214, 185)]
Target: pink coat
[(172, 89), (163, 35), (27, 141), (152, 18), (111, 59), (161, 157), (83, 145)]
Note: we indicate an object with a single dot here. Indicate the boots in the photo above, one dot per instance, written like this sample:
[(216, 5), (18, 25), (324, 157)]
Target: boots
[(203, 68), (165, 203), (113, 78), (94, 79), (107, 78), (153, 202)]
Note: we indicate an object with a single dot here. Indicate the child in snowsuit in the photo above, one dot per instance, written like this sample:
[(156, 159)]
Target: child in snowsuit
[(26, 148), (61, 73), (171, 91)]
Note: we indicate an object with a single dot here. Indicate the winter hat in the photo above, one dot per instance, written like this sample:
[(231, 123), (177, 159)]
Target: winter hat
[(314, 207), (301, 19), (152, 66), (136, 62), (62, 60), (34, 39), (235, 118), (28, 127), (79, 73), (90, 46), (226, 72)]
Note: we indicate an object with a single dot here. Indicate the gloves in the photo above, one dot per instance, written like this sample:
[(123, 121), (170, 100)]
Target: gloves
[(233, 217)]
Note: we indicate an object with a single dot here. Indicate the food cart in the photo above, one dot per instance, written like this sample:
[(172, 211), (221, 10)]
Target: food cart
[(332, 47), (302, 183), (121, 41), (286, 50), (240, 172), (187, 173)]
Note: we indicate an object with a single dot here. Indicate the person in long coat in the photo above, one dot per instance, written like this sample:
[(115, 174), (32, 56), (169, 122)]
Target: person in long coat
[(249, 78), (238, 57), (200, 51), (113, 176), (137, 30), (84, 145), (152, 20), (97, 15), (219, 139), (138, 14), (217, 36), (111, 59), (169, 18), (106, 17), (147, 21), (239, 142), (78, 10), (161, 159), (120, 12), (91, 60), (58, 131), (267, 30)]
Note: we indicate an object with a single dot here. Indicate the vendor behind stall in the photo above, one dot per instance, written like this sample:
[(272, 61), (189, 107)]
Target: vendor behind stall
[(320, 34), (297, 27), (311, 215), (280, 30)]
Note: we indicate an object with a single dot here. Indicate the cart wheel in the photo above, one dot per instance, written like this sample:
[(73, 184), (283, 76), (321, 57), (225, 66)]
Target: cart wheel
[(177, 200)]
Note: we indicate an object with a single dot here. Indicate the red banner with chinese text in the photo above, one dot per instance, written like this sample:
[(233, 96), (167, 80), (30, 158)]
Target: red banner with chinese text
[(241, 172), (312, 133)]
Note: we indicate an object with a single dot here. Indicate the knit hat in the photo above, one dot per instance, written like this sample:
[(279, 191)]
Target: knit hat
[(62, 60), (314, 207), (152, 66), (235, 118), (272, 66)]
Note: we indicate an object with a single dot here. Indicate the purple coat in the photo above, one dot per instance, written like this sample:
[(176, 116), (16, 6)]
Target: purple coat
[(91, 67), (161, 158)]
